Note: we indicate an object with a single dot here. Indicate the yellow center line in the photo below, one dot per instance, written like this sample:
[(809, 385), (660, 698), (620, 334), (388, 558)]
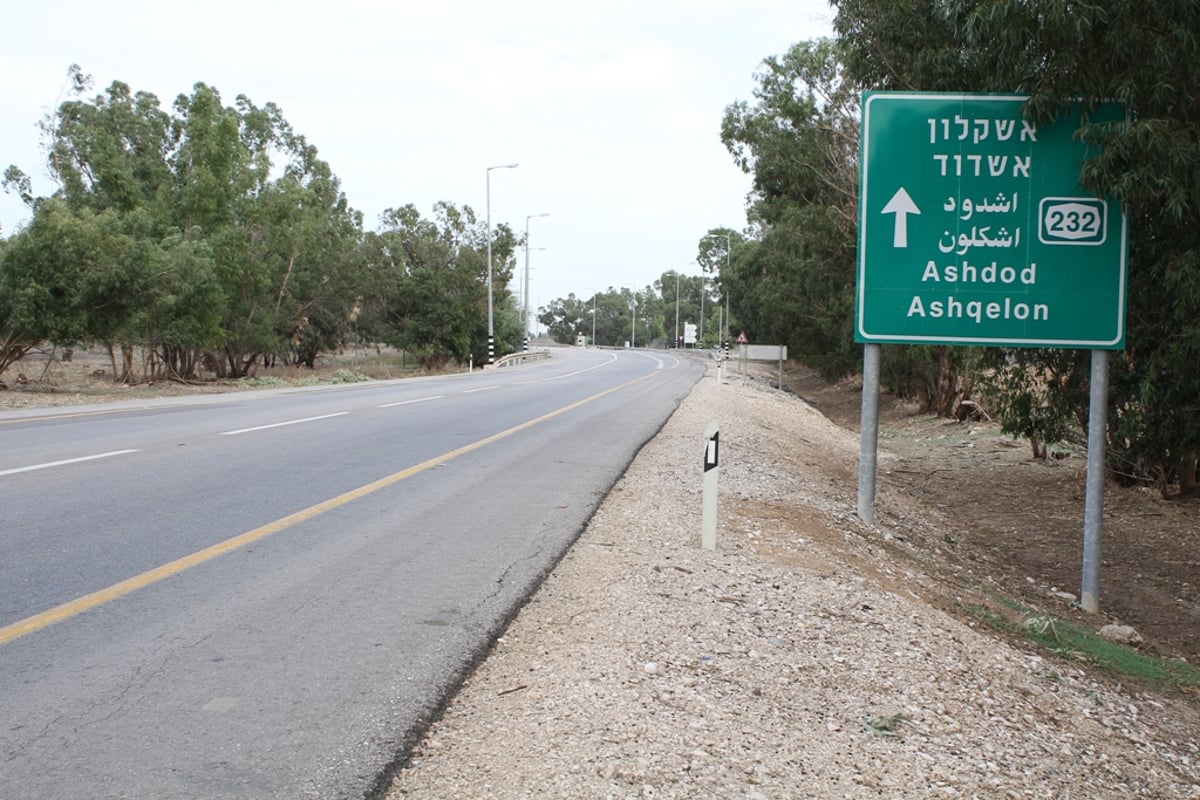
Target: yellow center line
[(98, 598)]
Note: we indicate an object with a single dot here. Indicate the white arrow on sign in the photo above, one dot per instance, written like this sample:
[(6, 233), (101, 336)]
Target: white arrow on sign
[(901, 205)]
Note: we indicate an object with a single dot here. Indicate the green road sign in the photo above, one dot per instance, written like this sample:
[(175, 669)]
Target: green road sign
[(974, 230)]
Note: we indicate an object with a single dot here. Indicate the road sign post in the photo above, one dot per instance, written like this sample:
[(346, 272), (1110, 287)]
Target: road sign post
[(974, 230)]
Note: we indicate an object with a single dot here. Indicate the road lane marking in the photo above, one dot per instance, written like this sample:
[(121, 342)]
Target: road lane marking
[(64, 462), (281, 424), (481, 389), (611, 358), (221, 705), (657, 360), (410, 402), (103, 596)]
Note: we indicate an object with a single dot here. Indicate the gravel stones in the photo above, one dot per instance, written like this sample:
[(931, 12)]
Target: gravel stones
[(794, 661)]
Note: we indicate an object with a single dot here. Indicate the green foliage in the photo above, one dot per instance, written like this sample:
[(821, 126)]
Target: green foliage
[(933, 377), (885, 726), (1146, 56), (566, 318), (619, 315), (263, 382), (1041, 395), (66, 275), (1077, 642), (213, 228), (687, 289), (913, 45), (1082, 643), (347, 376), (794, 282), (431, 276)]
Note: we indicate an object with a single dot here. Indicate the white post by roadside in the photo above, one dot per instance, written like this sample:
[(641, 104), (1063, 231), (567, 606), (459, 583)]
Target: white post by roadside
[(712, 447)]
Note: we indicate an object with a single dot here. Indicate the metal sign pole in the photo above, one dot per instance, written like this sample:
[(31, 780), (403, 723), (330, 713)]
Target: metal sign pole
[(868, 447), (1093, 515)]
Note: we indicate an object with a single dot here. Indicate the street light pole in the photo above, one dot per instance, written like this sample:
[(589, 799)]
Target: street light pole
[(594, 296), (633, 323), (724, 277), (525, 293), (491, 322), (725, 286), (677, 308)]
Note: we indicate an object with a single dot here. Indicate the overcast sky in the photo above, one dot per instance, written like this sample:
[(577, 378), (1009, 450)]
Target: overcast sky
[(612, 110)]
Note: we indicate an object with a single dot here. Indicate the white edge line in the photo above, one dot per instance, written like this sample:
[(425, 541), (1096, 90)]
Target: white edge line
[(410, 402), (281, 424), (481, 389), (65, 462)]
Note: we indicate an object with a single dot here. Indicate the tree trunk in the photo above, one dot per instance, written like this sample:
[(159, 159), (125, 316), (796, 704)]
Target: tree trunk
[(1039, 448), (12, 350), (112, 360), (945, 396), (1188, 484), (128, 374)]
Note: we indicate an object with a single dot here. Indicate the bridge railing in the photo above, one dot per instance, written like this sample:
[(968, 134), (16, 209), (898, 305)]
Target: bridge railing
[(523, 357)]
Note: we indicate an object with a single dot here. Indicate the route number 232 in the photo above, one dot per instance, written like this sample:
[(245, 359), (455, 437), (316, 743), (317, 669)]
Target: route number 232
[(1072, 220)]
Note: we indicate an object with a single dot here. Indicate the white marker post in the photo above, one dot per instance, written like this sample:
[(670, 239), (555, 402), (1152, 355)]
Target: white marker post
[(712, 449)]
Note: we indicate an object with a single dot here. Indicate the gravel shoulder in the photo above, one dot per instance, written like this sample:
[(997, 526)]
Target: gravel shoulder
[(805, 657)]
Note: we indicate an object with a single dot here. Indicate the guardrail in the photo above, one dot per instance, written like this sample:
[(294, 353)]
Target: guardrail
[(522, 357)]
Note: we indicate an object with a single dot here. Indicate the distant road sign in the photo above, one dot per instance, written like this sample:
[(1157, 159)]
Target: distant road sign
[(763, 352), (974, 230)]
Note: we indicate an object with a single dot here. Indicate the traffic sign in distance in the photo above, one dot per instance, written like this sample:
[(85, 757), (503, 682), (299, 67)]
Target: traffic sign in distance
[(974, 229)]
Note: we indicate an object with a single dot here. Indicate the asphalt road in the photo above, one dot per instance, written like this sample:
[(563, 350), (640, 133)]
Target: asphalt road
[(264, 596)]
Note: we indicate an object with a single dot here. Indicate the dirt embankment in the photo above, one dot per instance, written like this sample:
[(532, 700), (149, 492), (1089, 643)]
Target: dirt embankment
[(1018, 522)]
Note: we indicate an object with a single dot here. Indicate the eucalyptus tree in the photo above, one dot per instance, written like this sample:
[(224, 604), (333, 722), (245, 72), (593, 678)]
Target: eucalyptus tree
[(218, 231), (617, 313), (304, 235), (687, 288), (1147, 56), (568, 317), (13, 346), (281, 246), (76, 271), (433, 276), (793, 280), (613, 323)]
